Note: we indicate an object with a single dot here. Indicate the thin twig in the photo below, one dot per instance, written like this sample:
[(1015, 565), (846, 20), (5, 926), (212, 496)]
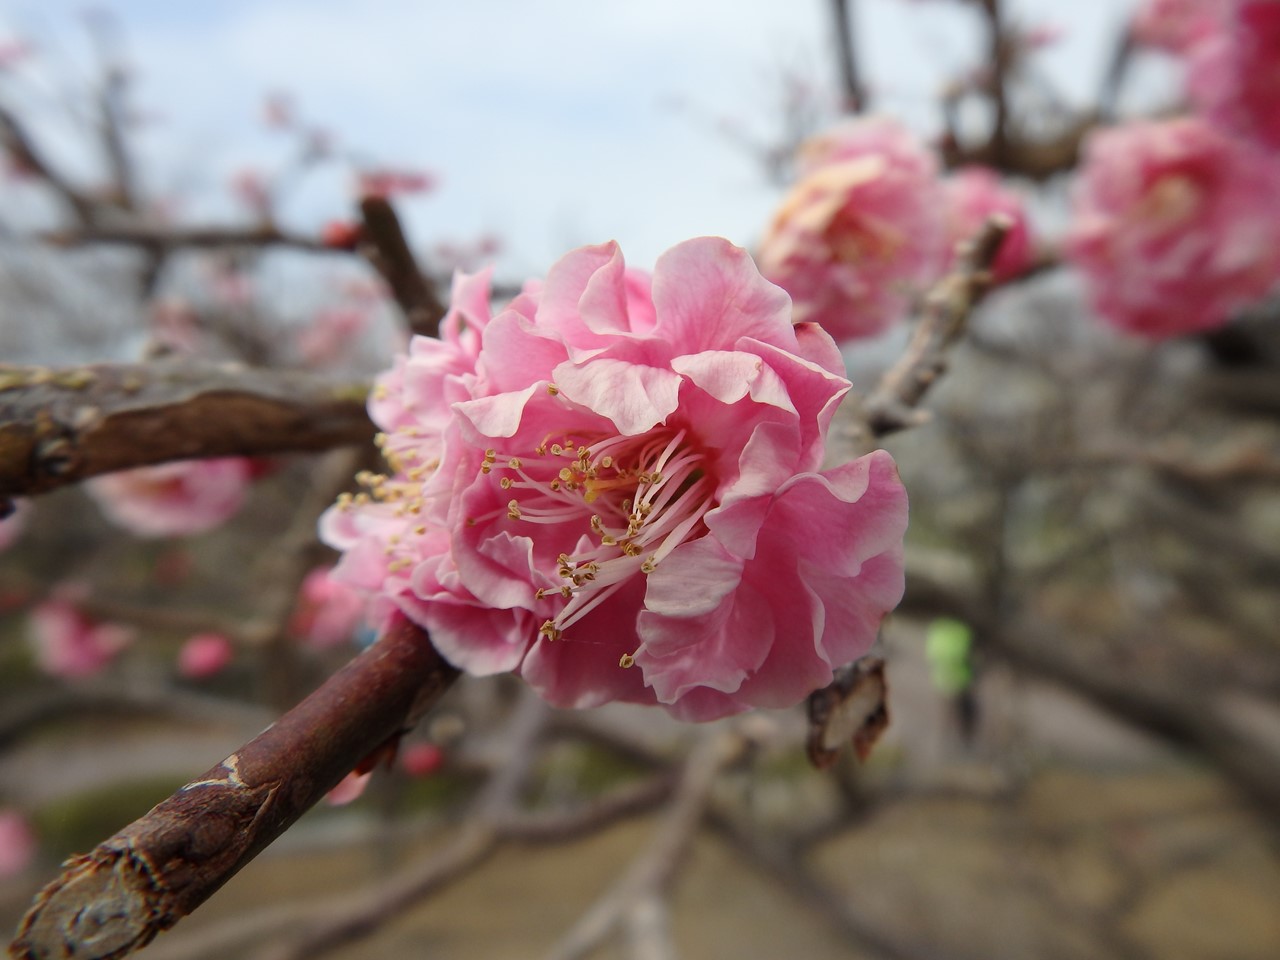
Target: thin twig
[(892, 405), (169, 238), (650, 876), (143, 880), (27, 156), (62, 426), (851, 92)]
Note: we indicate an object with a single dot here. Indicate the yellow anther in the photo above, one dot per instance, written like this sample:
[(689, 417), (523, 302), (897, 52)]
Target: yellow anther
[(514, 463), (606, 461), (648, 566), (505, 483), (513, 510), (552, 389), (626, 661)]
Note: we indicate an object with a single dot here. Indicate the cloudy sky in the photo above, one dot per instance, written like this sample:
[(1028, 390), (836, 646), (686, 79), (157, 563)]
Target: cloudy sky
[(551, 123)]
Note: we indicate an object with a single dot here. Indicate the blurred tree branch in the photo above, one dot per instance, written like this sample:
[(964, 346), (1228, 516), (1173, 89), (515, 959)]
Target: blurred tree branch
[(62, 426)]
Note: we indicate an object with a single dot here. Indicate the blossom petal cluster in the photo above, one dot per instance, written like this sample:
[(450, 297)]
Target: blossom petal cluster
[(69, 644), (1176, 26), (1175, 226), (1234, 75), (972, 195), (858, 236), (173, 499), (613, 486)]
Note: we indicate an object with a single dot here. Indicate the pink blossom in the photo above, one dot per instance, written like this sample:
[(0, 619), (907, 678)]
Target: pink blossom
[(11, 527), (173, 499), (1174, 226), (205, 655), (859, 236), (18, 843), (972, 195), (250, 188), (384, 182), (331, 334), (349, 788), (1176, 25), (1235, 74), (329, 611), (421, 759), (613, 488), (278, 111), (68, 644)]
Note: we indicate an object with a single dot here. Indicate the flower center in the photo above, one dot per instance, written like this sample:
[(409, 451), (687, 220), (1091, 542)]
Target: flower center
[(635, 498)]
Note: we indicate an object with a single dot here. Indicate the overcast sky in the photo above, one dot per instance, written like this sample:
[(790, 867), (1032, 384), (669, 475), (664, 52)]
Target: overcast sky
[(550, 123)]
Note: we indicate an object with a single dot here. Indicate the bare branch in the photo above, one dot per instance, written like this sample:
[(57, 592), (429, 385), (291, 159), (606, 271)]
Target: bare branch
[(851, 91), (650, 876), (143, 880), (892, 405), (62, 426), (385, 246), (26, 155), (162, 239)]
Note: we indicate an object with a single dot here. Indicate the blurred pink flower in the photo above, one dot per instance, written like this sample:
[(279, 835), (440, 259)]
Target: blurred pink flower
[(205, 655), (385, 182), (175, 324), (173, 499), (972, 195), (421, 759), (18, 843), (14, 52), (68, 644), (1175, 226), (331, 334), (11, 527), (328, 612), (278, 110), (1176, 25), (250, 188), (859, 236), (1235, 75), (349, 788), (612, 488)]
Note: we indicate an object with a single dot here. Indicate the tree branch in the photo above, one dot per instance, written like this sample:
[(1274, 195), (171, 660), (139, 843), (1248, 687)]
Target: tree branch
[(385, 246), (164, 239), (892, 405), (114, 900), (62, 426), (851, 92)]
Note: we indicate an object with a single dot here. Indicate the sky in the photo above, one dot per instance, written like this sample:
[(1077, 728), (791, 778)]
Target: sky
[(550, 124)]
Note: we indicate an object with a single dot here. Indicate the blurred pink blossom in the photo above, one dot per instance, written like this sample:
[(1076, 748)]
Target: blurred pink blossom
[(68, 644), (18, 844), (11, 527), (278, 111), (328, 612), (250, 188), (13, 52), (972, 195), (385, 182), (859, 235), (1176, 25), (612, 488), (1235, 74), (1175, 226), (331, 334), (205, 655), (349, 788), (173, 499), (175, 324), (421, 759)]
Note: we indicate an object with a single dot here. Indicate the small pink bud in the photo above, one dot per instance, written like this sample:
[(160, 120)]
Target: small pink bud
[(205, 655)]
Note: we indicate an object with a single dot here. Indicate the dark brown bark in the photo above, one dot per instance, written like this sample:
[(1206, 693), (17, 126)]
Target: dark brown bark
[(114, 900), (387, 249), (61, 426)]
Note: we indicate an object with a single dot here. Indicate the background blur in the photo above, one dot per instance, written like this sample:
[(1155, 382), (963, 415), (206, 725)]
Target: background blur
[(1084, 754)]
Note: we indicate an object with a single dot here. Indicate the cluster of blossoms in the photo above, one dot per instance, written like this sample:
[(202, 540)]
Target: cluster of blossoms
[(869, 225), (1176, 223), (174, 499), (613, 487), (1175, 226), (69, 644)]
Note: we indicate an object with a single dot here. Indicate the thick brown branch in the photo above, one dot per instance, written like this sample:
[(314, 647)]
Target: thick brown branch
[(62, 426), (892, 405), (387, 249), (114, 900)]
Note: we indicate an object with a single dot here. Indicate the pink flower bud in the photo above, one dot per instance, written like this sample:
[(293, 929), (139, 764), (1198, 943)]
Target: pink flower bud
[(205, 655)]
